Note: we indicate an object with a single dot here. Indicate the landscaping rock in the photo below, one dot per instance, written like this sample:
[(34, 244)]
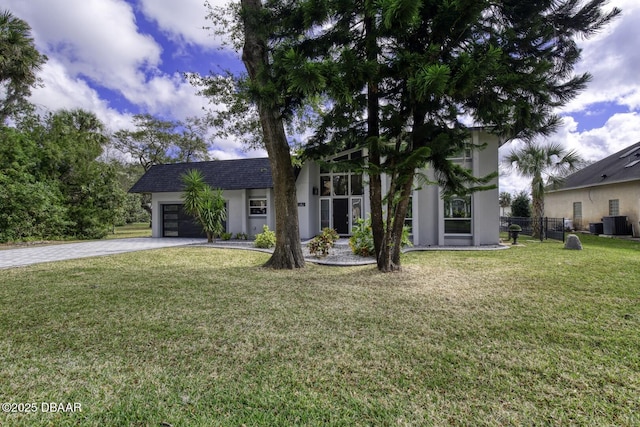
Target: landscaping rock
[(573, 242)]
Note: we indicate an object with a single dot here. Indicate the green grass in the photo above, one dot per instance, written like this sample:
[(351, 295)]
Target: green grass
[(138, 229), (533, 335)]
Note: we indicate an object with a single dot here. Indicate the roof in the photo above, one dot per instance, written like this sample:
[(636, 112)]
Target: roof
[(236, 174), (622, 166)]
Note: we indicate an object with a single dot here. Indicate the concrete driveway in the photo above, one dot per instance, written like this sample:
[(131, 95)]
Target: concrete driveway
[(34, 255)]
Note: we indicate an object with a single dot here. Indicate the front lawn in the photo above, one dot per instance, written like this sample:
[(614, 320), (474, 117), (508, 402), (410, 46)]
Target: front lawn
[(195, 336)]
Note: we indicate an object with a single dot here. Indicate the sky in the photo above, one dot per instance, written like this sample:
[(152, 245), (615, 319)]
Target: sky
[(117, 58)]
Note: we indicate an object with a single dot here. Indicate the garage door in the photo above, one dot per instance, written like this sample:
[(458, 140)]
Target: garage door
[(177, 223)]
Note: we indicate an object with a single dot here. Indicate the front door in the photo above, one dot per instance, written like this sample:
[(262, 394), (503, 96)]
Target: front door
[(341, 215)]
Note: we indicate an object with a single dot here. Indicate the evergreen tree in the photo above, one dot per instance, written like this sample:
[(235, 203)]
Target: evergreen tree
[(400, 76)]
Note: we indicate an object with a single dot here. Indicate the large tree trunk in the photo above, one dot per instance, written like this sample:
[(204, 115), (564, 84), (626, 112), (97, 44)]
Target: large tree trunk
[(373, 141), (288, 250)]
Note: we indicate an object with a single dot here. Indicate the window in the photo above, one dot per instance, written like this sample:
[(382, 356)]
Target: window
[(408, 219), (614, 207), (577, 210), (457, 215), (577, 214), (257, 207)]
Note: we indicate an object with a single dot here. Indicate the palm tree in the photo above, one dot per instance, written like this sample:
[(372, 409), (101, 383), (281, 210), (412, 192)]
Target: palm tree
[(504, 199), (546, 165), (204, 203), (19, 62)]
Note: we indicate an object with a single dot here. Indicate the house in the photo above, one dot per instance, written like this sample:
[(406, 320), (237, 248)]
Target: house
[(606, 192), (328, 199)]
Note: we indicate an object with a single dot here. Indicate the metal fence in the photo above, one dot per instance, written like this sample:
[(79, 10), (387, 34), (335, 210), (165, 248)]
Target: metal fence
[(551, 228)]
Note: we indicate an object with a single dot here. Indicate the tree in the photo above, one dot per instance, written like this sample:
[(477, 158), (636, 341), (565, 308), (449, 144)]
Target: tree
[(155, 142), (546, 165), (401, 75), (504, 199), (19, 63), (256, 57), (192, 145), (521, 205), (52, 184), (150, 142), (204, 203)]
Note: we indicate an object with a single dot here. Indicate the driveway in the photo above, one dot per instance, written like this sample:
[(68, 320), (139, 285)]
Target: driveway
[(34, 255)]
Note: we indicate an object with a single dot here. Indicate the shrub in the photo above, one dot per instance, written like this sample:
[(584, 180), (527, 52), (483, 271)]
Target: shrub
[(515, 227), (241, 236), (322, 243), (521, 205), (226, 236), (266, 239), (361, 241)]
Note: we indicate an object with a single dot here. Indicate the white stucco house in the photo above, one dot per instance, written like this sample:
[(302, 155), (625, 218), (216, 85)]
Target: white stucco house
[(328, 199)]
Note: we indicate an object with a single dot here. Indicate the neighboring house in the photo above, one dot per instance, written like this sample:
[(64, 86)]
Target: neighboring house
[(328, 199), (608, 189)]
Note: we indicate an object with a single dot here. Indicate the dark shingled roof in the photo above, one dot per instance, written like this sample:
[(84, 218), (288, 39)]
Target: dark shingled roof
[(224, 174), (619, 167)]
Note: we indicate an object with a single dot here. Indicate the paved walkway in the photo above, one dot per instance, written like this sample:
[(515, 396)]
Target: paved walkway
[(58, 252)]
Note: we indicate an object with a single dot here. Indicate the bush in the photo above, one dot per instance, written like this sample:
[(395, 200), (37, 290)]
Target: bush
[(226, 236), (241, 236), (266, 239), (361, 242), (521, 205), (515, 227), (322, 243)]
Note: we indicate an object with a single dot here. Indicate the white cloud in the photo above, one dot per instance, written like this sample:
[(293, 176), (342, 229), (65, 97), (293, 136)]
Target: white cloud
[(184, 21), (612, 58), (621, 130)]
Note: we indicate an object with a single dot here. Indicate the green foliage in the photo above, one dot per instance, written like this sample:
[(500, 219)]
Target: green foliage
[(19, 63), (515, 227), (322, 243), (361, 240), (226, 236), (521, 205), (204, 203), (156, 141), (266, 239), (546, 166), (241, 236), (52, 184)]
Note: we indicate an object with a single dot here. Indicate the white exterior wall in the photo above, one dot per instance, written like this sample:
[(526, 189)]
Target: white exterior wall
[(308, 203), (486, 210), (238, 218), (428, 206)]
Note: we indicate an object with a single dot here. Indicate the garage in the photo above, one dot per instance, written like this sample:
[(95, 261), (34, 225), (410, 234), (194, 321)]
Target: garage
[(177, 223)]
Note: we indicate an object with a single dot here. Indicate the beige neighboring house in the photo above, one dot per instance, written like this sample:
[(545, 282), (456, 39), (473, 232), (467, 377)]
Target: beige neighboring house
[(606, 192)]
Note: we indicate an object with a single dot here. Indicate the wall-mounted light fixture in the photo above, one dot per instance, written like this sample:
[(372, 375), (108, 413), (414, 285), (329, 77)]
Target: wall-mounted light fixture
[(315, 191)]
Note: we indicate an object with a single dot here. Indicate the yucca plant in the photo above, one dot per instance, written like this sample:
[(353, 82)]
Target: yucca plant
[(204, 203)]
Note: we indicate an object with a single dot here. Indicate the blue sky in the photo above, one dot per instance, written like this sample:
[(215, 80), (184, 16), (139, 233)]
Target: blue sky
[(117, 58)]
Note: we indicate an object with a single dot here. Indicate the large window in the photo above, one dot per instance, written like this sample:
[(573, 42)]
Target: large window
[(457, 215), (341, 191), (341, 183)]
